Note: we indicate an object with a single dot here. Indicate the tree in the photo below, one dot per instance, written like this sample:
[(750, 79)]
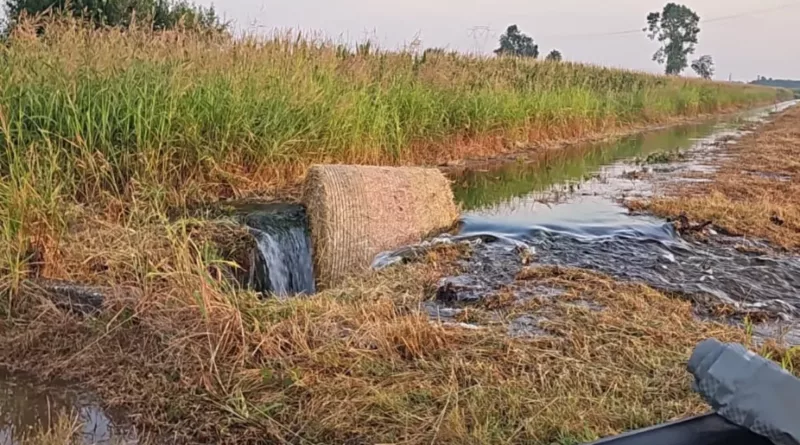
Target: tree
[(676, 28), (554, 56), (704, 67), (164, 14), (515, 43)]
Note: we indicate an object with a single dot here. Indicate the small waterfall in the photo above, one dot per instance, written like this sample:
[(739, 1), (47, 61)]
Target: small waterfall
[(283, 264), (286, 260)]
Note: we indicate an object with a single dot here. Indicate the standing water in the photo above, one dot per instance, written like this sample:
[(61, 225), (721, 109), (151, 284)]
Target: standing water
[(28, 408)]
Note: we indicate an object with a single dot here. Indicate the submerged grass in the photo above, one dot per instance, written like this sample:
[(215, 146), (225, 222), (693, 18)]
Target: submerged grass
[(64, 429), (756, 193)]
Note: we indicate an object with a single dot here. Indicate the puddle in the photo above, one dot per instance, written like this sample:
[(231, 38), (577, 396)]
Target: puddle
[(27, 408), (527, 327)]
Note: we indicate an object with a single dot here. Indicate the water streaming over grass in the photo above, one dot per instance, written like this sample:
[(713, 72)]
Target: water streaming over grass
[(568, 208)]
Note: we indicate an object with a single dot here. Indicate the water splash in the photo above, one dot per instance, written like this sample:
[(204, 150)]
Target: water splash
[(285, 260), (283, 265)]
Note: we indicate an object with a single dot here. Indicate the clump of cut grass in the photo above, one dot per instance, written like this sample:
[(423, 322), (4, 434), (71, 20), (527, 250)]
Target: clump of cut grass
[(756, 193), (664, 157)]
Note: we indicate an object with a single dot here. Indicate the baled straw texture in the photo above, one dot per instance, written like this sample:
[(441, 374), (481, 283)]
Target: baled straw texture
[(356, 212)]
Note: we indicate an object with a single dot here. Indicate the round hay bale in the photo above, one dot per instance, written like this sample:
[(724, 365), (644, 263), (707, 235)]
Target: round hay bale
[(356, 212)]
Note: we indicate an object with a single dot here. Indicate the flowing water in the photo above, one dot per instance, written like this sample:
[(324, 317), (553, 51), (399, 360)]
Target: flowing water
[(284, 266), (596, 233), (568, 209)]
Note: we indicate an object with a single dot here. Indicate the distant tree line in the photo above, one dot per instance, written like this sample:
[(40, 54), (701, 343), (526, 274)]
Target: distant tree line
[(161, 14), (779, 83), (675, 27)]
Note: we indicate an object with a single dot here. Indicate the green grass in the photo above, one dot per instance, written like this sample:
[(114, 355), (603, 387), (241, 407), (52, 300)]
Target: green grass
[(135, 124), (107, 136), (110, 107)]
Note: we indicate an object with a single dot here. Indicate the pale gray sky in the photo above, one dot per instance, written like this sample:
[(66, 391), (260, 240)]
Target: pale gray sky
[(766, 43)]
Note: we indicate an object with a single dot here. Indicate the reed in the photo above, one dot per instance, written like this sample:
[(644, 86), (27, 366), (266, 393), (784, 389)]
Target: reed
[(112, 107)]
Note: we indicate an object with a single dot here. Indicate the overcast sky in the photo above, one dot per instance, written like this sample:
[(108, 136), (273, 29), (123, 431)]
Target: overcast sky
[(765, 43)]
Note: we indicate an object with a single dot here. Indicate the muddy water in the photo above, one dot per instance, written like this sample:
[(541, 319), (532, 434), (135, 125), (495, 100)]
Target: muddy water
[(568, 210), (27, 408)]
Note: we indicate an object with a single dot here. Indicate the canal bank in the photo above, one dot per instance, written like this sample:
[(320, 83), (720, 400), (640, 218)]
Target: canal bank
[(581, 356)]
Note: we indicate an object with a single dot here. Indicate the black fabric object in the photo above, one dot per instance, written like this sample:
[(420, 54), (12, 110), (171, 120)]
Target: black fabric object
[(710, 429), (756, 402)]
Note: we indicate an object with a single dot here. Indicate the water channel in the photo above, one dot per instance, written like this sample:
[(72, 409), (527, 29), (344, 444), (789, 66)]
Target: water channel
[(566, 207)]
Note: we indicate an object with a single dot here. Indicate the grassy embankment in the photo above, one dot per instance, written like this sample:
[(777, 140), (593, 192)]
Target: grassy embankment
[(756, 192), (108, 136), (127, 126)]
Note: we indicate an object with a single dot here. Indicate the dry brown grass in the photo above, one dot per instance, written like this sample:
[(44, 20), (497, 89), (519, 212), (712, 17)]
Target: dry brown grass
[(756, 193), (362, 364), (63, 430), (66, 428), (189, 356)]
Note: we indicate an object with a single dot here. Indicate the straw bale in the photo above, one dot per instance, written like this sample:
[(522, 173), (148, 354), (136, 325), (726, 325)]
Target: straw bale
[(356, 212)]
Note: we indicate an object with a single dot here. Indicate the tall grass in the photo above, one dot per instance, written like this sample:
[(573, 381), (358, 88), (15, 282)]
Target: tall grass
[(135, 122), (163, 107), (128, 120), (104, 131)]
